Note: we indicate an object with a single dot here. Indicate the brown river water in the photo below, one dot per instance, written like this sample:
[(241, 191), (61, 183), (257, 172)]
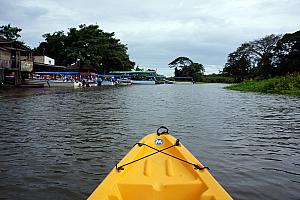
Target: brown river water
[(61, 143)]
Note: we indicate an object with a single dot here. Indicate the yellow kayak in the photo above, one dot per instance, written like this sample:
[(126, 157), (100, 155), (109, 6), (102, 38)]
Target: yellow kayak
[(159, 167)]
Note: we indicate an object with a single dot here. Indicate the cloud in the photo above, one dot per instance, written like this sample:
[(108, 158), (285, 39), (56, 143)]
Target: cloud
[(156, 31)]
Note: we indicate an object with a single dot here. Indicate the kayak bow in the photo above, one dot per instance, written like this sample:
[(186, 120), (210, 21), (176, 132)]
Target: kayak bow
[(159, 167)]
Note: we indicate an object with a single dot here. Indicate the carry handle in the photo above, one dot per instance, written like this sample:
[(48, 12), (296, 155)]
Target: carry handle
[(162, 130)]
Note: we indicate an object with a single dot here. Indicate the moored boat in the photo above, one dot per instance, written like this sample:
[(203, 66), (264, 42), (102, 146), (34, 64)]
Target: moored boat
[(105, 80), (159, 167), (124, 81), (60, 83), (91, 83), (169, 82), (159, 82), (143, 82), (55, 79)]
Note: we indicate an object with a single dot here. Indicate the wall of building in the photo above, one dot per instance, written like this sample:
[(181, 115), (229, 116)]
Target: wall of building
[(49, 61), (4, 55), (44, 59), (5, 61), (15, 62), (38, 59)]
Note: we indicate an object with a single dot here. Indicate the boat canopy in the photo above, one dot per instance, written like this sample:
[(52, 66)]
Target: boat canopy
[(132, 72), (57, 73)]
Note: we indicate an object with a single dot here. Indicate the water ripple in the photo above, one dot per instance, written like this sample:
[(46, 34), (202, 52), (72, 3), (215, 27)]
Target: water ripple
[(60, 143)]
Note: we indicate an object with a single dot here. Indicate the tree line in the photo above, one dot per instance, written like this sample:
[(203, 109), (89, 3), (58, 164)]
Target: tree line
[(185, 67), (84, 45), (272, 55)]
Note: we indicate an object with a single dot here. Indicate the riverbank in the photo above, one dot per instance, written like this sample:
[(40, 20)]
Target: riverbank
[(282, 85)]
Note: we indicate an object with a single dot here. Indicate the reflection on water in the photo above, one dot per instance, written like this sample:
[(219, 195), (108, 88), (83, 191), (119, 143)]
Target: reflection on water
[(60, 143)]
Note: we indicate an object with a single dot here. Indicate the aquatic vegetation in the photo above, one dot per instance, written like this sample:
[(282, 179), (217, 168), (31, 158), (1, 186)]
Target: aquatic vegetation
[(289, 84)]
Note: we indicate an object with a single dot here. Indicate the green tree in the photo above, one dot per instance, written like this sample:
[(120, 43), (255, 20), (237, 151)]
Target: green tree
[(90, 45), (185, 67), (54, 46), (253, 59), (287, 54), (10, 33), (181, 62), (238, 64), (195, 70), (262, 50)]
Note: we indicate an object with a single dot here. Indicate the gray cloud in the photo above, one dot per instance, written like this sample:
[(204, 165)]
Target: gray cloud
[(16, 12), (158, 31)]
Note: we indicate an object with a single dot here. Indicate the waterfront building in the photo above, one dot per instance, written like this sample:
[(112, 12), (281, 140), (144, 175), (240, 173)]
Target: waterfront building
[(44, 60), (46, 64), (16, 61)]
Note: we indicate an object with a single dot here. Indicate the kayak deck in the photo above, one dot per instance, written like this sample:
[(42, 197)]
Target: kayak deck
[(159, 176)]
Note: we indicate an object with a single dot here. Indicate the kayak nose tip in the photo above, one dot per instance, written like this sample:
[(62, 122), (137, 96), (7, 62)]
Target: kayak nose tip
[(162, 130), (158, 186)]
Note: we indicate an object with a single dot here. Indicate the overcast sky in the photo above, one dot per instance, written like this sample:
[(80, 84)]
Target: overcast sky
[(158, 31)]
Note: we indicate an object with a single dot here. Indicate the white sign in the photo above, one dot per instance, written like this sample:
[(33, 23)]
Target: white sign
[(26, 66)]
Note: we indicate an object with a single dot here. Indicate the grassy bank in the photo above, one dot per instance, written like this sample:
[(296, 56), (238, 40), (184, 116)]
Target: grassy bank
[(282, 85)]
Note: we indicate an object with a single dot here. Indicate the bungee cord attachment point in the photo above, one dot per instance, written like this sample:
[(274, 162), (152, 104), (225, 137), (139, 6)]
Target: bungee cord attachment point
[(177, 143)]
